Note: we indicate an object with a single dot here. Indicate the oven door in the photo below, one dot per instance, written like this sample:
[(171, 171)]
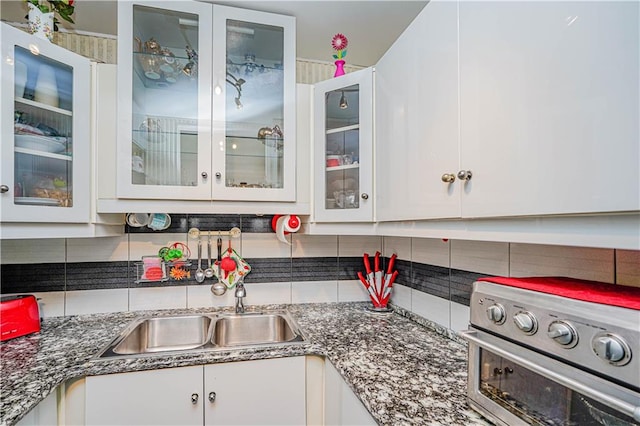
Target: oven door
[(513, 385)]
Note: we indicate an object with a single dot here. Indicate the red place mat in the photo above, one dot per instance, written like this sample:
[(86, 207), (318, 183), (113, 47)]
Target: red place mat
[(588, 291)]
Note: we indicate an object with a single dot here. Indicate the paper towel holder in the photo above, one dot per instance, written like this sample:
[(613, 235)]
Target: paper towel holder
[(294, 222)]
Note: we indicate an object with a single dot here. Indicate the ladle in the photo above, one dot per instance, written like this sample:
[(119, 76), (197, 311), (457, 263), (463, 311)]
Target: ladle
[(199, 271), (208, 273), (219, 288)]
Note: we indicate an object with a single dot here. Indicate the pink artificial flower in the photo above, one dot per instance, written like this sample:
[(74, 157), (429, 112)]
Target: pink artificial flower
[(339, 42)]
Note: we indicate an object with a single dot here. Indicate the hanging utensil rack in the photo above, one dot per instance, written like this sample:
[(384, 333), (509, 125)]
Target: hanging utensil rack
[(195, 233)]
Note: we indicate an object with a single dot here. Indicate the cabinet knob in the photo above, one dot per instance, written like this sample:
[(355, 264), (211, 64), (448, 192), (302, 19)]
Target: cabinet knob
[(194, 398), (204, 175), (465, 175), (364, 196), (218, 175), (212, 396), (448, 177), (4, 188)]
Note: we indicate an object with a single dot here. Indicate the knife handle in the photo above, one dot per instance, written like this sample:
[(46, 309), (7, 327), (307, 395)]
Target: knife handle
[(367, 264), (376, 262), (392, 261)]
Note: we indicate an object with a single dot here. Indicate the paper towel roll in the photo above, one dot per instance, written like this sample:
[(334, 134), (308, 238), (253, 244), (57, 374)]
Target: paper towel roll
[(285, 225)]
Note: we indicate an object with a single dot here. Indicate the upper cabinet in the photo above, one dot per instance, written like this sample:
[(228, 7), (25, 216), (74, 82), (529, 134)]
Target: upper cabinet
[(254, 104), (45, 97), (417, 119), (164, 100), (549, 107), (206, 103), (520, 109), (343, 148)]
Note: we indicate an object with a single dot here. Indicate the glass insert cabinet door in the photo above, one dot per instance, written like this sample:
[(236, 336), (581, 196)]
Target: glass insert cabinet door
[(343, 151), (45, 168), (254, 131), (164, 74)]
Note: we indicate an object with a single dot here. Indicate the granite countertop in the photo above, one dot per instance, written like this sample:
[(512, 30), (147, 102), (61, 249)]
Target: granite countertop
[(404, 369)]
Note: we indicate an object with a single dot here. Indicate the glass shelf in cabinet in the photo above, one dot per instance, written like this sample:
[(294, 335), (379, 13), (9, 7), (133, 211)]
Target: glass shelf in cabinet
[(40, 105), (343, 129), (345, 167), (163, 71), (37, 153), (279, 156)]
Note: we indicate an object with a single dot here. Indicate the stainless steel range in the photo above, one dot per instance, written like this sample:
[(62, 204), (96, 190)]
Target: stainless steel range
[(554, 351)]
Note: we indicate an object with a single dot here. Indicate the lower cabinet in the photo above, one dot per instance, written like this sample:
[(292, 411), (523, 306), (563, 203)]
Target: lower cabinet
[(341, 405), (263, 392), (45, 413)]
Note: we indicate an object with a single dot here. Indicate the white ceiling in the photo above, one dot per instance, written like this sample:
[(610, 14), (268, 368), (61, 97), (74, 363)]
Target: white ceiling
[(370, 25)]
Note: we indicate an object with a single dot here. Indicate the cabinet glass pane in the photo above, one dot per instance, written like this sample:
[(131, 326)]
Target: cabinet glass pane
[(165, 97), (255, 129), (43, 130), (342, 148)]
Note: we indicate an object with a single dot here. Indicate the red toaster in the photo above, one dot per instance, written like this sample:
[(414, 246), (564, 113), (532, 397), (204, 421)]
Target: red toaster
[(19, 315)]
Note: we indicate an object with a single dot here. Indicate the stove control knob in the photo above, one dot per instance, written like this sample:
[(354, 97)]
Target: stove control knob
[(611, 348), (496, 313), (563, 333), (526, 322)]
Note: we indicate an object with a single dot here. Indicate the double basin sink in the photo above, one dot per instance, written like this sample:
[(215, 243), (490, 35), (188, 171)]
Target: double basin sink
[(147, 336)]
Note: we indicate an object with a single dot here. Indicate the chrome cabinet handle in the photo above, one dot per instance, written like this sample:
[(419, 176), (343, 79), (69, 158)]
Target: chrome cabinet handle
[(204, 175), (4, 188), (465, 175), (194, 398), (365, 196), (212, 396), (448, 177), (218, 175)]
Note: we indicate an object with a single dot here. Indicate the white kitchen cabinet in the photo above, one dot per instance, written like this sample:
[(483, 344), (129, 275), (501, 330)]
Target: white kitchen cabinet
[(43, 414), (164, 100), (45, 172), (550, 100), (540, 102), (341, 405), (343, 148), (416, 92), (154, 397), (206, 103), (254, 105), (263, 392)]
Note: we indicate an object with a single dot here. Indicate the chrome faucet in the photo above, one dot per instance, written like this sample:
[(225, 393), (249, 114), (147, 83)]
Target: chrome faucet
[(241, 293)]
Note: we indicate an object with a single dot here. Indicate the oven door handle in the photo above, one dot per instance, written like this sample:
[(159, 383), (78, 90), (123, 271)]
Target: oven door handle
[(621, 406)]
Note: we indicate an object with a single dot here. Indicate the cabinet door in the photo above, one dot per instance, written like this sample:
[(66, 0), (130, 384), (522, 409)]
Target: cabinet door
[(341, 405), (45, 170), (549, 107), (343, 148), (155, 397), (254, 131), (417, 119), (263, 392), (164, 100)]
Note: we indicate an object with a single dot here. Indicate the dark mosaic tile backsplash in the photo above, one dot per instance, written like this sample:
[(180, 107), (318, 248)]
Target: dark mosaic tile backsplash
[(435, 280), (20, 278)]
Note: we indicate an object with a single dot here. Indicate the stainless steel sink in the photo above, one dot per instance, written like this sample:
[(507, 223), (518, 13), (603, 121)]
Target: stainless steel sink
[(255, 329), (165, 334), (149, 336)]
